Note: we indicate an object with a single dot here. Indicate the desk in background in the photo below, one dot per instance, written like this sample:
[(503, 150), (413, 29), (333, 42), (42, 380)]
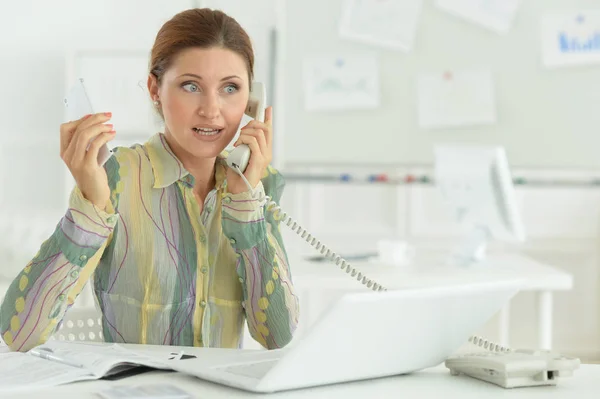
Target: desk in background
[(325, 280)]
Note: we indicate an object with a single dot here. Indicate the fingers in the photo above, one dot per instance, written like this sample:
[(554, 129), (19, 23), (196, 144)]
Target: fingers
[(265, 127), (252, 142), (269, 123), (269, 116), (259, 135), (85, 137), (95, 119), (91, 156), (79, 144), (66, 133)]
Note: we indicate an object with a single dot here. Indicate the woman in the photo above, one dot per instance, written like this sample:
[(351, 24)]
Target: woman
[(178, 249)]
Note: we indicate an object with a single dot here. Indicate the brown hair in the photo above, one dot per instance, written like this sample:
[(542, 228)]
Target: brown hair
[(199, 27)]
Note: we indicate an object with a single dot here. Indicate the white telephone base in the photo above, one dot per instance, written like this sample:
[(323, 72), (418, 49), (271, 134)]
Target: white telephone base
[(519, 368)]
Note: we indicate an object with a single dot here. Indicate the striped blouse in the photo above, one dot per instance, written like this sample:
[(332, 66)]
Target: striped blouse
[(163, 272)]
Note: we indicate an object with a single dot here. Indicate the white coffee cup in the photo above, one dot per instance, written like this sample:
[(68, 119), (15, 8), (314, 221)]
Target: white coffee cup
[(395, 252)]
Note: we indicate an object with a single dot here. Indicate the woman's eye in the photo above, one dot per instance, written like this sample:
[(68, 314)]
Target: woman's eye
[(191, 87), (230, 89)]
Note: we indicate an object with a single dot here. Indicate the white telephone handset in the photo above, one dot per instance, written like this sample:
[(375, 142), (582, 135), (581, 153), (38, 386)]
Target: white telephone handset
[(77, 104), (507, 368), (257, 103)]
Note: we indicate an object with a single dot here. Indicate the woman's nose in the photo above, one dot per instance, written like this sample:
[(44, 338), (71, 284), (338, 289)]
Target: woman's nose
[(210, 107)]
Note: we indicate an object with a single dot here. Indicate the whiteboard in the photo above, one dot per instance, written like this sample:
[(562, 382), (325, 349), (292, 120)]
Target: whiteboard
[(545, 118)]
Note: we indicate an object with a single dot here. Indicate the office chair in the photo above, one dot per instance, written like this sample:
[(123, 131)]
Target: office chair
[(80, 324)]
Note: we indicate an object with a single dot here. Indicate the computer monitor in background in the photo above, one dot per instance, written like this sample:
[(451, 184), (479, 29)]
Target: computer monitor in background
[(475, 181)]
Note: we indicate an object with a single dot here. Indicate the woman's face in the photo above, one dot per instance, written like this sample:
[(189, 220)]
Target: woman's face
[(203, 96)]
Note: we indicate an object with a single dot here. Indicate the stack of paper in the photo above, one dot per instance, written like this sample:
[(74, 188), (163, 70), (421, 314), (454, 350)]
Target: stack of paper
[(57, 363)]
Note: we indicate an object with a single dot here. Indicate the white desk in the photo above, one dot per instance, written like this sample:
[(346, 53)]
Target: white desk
[(431, 383), (429, 269)]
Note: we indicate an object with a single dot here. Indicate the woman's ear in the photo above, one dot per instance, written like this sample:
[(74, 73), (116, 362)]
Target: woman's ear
[(153, 87)]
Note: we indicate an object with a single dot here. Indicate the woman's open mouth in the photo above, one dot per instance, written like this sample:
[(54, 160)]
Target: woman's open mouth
[(206, 132)]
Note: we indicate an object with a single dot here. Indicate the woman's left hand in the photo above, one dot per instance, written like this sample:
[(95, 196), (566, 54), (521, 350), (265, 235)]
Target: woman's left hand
[(259, 137)]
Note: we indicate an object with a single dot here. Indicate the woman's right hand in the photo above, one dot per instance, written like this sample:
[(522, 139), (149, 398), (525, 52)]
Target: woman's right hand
[(75, 136)]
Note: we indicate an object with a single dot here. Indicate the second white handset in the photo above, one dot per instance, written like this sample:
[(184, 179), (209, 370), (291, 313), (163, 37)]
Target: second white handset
[(77, 104)]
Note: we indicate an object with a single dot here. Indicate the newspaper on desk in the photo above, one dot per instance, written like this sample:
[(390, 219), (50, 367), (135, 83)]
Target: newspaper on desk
[(66, 362)]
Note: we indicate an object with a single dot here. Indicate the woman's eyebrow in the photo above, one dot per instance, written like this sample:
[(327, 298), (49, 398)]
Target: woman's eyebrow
[(200, 77)]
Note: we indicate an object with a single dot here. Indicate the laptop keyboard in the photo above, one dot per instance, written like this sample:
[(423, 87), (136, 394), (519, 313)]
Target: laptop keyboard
[(253, 370)]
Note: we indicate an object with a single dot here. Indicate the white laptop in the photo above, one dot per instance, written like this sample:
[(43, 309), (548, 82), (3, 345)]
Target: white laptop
[(365, 335)]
